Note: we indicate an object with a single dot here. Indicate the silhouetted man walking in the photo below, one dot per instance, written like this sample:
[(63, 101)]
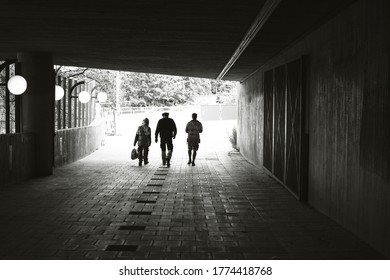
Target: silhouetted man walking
[(193, 128), (166, 127)]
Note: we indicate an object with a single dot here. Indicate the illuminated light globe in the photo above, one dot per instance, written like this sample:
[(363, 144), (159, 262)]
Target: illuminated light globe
[(59, 93), (84, 97), (17, 85), (102, 96)]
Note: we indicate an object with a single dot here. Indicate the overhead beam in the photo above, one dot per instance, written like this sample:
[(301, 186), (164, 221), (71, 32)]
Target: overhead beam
[(260, 20)]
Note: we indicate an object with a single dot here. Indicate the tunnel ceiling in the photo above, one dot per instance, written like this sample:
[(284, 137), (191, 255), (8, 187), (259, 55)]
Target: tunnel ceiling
[(176, 37)]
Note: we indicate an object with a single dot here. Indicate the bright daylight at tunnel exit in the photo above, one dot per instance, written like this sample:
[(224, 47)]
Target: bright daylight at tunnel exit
[(129, 98)]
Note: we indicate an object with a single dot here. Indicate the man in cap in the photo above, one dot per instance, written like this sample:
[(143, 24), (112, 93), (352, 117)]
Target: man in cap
[(166, 127), (193, 128)]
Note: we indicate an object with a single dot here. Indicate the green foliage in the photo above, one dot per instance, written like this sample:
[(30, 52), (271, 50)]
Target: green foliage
[(143, 89)]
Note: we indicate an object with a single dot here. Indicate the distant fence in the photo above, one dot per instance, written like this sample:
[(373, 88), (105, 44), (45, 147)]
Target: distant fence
[(208, 112)]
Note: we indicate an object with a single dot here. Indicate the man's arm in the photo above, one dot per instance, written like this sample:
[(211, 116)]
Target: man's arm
[(157, 130), (174, 129), (187, 127), (136, 138), (150, 137)]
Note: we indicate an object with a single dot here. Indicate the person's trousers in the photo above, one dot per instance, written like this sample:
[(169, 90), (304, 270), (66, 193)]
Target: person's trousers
[(166, 143), (143, 152)]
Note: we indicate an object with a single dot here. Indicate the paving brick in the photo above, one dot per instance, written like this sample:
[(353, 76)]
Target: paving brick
[(223, 208)]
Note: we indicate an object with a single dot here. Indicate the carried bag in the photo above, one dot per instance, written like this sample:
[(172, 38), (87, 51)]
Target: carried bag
[(134, 154)]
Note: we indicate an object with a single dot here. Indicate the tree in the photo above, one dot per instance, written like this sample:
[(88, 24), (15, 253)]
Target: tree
[(143, 89)]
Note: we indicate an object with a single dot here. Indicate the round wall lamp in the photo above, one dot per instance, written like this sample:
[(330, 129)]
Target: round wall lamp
[(102, 97), (59, 93), (17, 85), (84, 97)]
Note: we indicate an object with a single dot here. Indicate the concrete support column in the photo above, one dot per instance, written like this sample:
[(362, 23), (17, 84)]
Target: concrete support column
[(37, 113)]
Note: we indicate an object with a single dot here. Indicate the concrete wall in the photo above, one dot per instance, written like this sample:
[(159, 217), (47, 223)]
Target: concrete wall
[(251, 118), (349, 112), (17, 157), (17, 151), (75, 143)]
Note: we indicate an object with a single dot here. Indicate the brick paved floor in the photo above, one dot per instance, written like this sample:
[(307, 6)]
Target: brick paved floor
[(106, 207)]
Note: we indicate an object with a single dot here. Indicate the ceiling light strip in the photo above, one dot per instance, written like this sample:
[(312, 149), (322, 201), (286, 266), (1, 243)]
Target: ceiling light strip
[(260, 20)]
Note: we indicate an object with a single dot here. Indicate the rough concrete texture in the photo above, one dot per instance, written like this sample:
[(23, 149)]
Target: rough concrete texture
[(348, 105)]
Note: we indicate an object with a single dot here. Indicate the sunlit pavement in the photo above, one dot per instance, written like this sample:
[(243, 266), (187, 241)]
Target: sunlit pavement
[(107, 207)]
